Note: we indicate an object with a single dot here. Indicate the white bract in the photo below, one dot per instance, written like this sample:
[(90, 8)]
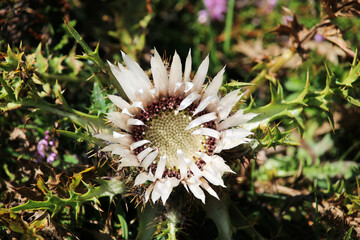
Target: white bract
[(172, 128)]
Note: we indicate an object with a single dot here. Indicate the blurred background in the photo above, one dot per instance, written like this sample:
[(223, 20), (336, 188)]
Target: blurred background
[(246, 37)]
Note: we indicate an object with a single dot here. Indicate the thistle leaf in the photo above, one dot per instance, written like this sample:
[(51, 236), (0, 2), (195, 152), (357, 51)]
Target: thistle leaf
[(12, 60)]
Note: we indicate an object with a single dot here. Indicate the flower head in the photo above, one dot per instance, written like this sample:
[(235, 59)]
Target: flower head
[(172, 129)]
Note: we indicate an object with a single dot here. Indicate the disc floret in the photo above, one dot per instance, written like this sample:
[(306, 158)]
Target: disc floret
[(165, 129)]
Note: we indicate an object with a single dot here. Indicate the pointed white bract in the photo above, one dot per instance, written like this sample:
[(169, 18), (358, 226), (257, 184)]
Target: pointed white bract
[(160, 167), (215, 85), (203, 119), (187, 70), (166, 162), (189, 100), (201, 74), (175, 74), (138, 144), (207, 132), (136, 122), (143, 154), (236, 120), (182, 164), (149, 159), (205, 103), (160, 75), (138, 72), (119, 102)]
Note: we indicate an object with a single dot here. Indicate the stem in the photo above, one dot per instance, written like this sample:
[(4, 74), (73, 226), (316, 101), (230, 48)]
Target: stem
[(228, 25), (172, 222), (94, 56), (62, 78), (147, 224), (218, 211), (80, 118)]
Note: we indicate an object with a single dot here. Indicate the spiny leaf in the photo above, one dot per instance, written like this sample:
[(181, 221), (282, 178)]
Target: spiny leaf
[(9, 106), (77, 177), (16, 224), (41, 185), (353, 75), (277, 95), (8, 89), (74, 63), (107, 188), (41, 62), (302, 95), (274, 111), (236, 84), (98, 97), (81, 136), (12, 60), (275, 137)]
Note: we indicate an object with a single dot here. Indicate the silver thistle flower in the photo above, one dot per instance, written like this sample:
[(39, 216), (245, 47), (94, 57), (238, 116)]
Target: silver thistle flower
[(172, 128)]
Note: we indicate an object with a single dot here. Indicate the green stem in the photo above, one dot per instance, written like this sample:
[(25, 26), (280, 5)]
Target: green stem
[(172, 222), (218, 211), (147, 224), (94, 56), (228, 25), (62, 78), (79, 118)]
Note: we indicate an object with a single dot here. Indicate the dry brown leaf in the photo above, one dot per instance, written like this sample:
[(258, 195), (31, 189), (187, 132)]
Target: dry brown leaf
[(17, 133), (29, 193), (345, 8), (256, 51), (334, 35)]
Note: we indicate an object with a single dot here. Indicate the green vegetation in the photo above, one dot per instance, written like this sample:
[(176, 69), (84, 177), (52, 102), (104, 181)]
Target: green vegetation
[(295, 61)]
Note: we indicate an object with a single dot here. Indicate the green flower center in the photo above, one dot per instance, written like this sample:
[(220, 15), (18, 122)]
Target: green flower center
[(167, 134)]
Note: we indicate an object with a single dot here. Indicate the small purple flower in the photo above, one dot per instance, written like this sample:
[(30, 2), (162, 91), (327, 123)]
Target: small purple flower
[(287, 19), (216, 8), (46, 149), (272, 3), (203, 17), (318, 38), (42, 147), (51, 158)]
